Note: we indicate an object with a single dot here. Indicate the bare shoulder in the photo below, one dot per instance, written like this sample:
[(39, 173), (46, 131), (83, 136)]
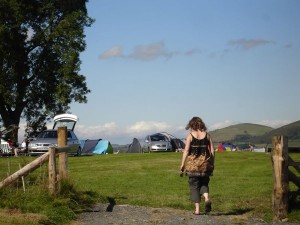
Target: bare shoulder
[(189, 136)]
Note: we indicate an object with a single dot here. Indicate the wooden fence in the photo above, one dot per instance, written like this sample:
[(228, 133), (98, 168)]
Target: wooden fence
[(282, 175), (54, 176)]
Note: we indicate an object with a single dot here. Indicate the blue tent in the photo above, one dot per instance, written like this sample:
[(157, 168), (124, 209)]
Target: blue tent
[(82, 143), (99, 146), (103, 147)]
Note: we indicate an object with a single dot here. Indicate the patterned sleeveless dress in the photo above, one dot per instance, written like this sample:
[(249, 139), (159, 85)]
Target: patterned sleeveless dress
[(200, 161)]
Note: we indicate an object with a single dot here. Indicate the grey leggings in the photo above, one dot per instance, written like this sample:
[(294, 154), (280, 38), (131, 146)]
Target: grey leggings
[(198, 186)]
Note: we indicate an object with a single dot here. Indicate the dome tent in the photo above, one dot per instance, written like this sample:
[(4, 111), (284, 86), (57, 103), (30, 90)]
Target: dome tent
[(176, 143), (225, 147), (98, 146), (135, 147), (103, 147)]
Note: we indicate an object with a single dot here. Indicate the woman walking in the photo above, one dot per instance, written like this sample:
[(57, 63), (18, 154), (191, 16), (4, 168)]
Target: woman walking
[(198, 162)]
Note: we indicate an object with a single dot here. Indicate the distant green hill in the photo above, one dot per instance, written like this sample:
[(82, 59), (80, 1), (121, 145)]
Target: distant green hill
[(292, 131), (239, 133), (246, 133)]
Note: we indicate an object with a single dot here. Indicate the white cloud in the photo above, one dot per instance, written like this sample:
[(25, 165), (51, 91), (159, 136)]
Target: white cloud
[(115, 51), (21, 131), (274, 123), (151, 51), (248, 43), (222, 124), (148, 52), (146, 126), (95, 132)]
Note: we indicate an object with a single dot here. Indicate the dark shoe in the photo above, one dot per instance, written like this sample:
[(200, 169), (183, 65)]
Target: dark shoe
[(208, 206)]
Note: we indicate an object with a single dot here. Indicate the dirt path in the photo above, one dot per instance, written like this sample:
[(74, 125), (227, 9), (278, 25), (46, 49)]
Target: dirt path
[(104, 214)]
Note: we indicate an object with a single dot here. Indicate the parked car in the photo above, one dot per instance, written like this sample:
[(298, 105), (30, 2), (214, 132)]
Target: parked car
[(157, 143), (48, 138)]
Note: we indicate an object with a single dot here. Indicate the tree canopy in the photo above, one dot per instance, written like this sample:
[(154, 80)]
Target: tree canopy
[(40, 44)]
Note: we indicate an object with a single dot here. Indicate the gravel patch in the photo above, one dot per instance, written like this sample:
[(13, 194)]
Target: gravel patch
[(105, 214)]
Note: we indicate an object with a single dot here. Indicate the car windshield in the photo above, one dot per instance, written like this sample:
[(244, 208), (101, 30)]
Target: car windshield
[(47, 134), (158, 138)]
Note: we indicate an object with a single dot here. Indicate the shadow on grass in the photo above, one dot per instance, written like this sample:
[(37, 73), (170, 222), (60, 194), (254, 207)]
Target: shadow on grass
[(233, 212), (294, 200)]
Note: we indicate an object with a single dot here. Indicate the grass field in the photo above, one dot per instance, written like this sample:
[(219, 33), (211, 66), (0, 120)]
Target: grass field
[(242, 181)]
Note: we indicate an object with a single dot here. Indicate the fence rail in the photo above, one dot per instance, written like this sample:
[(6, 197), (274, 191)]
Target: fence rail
[(61, 151)]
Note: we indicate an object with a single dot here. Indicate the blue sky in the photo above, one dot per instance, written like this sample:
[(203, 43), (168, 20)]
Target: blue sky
[(152, 65)]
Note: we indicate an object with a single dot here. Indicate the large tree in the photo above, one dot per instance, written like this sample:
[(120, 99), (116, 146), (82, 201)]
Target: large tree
[(40, 43)]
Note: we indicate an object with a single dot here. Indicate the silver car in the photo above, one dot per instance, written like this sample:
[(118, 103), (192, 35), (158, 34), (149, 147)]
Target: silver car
[(48, 138), (157, 143)]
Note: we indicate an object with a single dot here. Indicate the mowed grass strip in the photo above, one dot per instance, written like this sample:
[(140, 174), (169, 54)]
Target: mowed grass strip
[(242, 181)]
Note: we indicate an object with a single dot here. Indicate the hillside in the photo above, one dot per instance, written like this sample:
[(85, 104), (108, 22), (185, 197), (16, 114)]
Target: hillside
[(239, 133), (292, 131)]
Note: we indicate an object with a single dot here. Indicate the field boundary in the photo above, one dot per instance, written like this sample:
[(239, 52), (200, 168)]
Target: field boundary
[(282, 175), (61, 151)]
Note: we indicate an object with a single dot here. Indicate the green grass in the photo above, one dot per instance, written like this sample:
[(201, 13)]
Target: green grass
[(35, 205), (242, 182)]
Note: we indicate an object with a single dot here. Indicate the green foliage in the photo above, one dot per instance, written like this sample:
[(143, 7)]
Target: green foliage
[(40, 43)]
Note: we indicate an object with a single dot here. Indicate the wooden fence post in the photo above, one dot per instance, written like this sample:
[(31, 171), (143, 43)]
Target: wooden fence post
[(52, 171), (63, 156), (280, 178)]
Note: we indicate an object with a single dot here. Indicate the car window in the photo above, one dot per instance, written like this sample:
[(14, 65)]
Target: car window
[(65, 120), (157, 138), (69, 124), (48, 134)]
